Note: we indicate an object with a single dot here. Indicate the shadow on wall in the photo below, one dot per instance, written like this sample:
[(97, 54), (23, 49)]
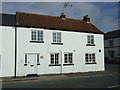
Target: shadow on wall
[(112, 61)]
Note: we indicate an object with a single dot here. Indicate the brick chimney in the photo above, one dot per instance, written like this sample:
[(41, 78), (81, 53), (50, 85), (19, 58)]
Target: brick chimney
[(86, 18), (63, 16)]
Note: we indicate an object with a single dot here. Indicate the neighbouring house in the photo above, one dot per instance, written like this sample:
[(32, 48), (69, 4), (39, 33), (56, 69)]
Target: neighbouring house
[(112, 45), (41, 44)]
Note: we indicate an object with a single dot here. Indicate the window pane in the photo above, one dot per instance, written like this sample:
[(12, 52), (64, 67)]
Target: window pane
[(52, 58), (92, 37), (37, 58), (90, 57), (86, 57), (88, 39), (93, 57), (33, 35), (70, 57), (58, 37), (40, 35), (56, 58), (65, 58), (58, 40), (25, 58), (54, 37)]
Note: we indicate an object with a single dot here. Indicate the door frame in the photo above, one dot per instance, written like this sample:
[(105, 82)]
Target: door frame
[(35, 63)]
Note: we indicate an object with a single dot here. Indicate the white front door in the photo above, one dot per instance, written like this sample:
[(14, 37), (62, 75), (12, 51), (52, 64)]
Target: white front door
[(0, 67), (0, 62), (32, 63)]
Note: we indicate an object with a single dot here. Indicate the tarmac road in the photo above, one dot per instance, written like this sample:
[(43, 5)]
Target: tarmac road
[(110, 81), (73, 81)]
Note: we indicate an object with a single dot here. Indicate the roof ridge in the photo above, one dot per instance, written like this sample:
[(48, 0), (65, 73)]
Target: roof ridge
[(36, 14), (49, 16), (113, 31), (7, 14)]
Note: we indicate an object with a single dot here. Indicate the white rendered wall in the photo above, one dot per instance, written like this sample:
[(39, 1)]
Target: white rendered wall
[(0, 50), (0, 40), (74, 42), (7, 51)]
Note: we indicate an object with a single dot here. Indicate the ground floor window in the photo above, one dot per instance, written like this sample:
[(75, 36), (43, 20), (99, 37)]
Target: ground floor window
[(68, 58), (90, 58), (54, 58)]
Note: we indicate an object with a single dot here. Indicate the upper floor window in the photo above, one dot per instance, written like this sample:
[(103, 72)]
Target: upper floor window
[(90, 40), (57, 38), (36, 36), (110, 42), (90, 58)]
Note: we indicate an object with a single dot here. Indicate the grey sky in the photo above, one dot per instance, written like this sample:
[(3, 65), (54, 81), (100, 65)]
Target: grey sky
[(104, 15)]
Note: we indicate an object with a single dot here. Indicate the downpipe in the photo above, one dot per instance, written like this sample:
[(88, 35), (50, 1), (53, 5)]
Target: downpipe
[(15, 51), (61, 61)]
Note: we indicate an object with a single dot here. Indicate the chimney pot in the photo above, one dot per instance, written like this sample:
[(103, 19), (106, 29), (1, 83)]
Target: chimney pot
[(86, 18), (63, 16)]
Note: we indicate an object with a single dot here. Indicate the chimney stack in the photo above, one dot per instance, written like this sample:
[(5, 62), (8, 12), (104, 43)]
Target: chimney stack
[(86, 18), (63, 16)]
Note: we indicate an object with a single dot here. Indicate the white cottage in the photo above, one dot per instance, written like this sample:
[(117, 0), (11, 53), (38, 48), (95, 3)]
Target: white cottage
[(34, 44)]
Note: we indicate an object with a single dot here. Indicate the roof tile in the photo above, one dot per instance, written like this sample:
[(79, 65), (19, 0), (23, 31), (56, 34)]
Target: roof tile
[(52, 22)]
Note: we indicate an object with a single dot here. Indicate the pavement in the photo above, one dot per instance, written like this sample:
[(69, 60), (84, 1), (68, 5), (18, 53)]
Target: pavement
[(59, 76)]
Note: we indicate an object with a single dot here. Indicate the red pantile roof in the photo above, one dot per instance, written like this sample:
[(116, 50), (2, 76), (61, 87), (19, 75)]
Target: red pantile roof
[(52, 22)]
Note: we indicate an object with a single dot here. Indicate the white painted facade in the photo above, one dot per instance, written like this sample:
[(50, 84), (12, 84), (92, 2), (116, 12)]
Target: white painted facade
[(74, 42), (0, 50), (7, 53)]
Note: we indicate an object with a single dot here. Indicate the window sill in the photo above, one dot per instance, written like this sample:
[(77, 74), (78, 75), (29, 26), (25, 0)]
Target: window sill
[(67, 64), (90, 44), (36, 41), (55, 65), (25, 64), (38, 63), (57, 43), (91, 63)]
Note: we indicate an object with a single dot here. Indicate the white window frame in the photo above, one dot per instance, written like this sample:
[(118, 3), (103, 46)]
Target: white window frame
[(38, 37), (26, 58), (90, 39), (57, 37), (90, 58), (56, 60), (69, 58)]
